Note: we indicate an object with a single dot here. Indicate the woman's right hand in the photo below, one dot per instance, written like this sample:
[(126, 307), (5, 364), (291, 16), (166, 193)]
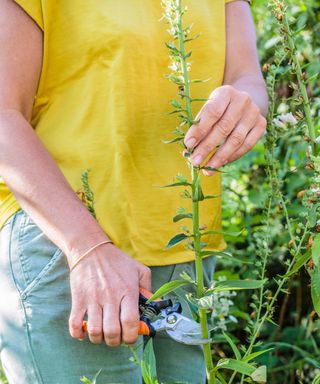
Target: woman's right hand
[(105, 284)]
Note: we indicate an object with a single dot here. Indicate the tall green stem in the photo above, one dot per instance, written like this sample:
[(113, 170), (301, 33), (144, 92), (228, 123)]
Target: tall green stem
[(302, 86), (195, 209)]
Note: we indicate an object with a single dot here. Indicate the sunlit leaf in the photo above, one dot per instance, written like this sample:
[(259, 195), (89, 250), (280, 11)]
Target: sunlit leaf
[(260, 374), (171, 286), (301, 261), (237, 366), (236, 285)]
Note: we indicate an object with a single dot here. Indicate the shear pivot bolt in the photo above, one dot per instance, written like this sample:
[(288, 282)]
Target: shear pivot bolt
[(171, 319)]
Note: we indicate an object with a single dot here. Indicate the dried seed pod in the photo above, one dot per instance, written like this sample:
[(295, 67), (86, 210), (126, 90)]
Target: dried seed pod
[(301, 193), (310, 242)]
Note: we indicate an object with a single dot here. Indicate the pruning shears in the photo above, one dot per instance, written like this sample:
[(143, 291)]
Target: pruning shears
[(163, 315)]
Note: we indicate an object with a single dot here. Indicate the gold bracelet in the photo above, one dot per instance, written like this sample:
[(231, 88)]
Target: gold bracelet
[(87, 253)]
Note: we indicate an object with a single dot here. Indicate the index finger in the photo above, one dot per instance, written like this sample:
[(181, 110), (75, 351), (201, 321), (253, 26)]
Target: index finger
[(210, 113)]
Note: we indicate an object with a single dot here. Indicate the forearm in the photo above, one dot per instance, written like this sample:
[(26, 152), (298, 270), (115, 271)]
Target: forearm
[(255, 86), (41, 189)]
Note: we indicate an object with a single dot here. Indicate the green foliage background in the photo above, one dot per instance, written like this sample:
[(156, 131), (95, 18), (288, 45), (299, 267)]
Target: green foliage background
[(295, 334)]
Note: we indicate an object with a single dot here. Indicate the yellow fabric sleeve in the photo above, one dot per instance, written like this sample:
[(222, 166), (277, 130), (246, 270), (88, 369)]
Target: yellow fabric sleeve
[(34, 9)]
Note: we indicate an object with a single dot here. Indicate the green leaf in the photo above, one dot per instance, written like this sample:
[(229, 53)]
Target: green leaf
[(176, 240), (171, 286), (200, 81), (173, 140), (94, 380), (232, 234), (148, 364), (316, 380), (207, 168), (197, 193), (236, 365), (176, 185), (315, 289), (236, 285), (253, 355), (233, 346), (301, 261), (212, 196), (316, 250), (182, 216), (175, 103), (260, 374)]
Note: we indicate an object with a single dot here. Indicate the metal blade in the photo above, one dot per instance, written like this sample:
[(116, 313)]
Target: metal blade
[(185, 330)]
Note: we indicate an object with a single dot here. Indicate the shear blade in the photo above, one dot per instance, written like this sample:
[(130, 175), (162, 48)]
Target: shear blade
[(187, 332)]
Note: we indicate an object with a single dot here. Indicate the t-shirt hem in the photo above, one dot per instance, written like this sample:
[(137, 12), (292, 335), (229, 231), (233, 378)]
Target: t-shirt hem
[(179, 258)]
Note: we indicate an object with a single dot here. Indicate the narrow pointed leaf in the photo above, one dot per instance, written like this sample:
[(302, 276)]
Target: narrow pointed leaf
[(182, 216), (233, 234), (237, 366), (172, 140), (197, 193), (316, 250), (176, 240), (233, 346), (176, 185), (148, 364), (169, 287), (237, 285), (252, 356), (301, 261), (315, 289)]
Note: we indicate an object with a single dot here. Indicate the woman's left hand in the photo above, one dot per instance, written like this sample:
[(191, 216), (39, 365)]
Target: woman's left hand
[(229, 116)]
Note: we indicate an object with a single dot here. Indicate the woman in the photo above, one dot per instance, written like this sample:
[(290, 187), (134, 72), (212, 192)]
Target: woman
[(82, 86)]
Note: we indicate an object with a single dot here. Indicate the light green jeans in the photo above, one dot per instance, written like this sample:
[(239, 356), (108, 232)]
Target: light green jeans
[(35, 302)]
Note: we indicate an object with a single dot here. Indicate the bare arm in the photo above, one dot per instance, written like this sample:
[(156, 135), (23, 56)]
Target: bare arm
[(233, 118), (43, 192)]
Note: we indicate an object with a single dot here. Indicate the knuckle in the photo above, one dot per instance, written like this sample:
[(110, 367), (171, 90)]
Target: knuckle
[(263, 122), (220, 158), (248, 145), (246, 98), (94, 330), (207, 148), (213, 111), (236, 139), (74, 324), (227, 88), (130, 323), (147, 271), (224, 126), (130, 339), (112, 334)]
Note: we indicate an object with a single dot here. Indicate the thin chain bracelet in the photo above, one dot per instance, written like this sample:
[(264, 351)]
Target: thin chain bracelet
[(88, 251)]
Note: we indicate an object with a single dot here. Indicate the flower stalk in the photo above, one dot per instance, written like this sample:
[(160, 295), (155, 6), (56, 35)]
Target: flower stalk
[(174, 14)]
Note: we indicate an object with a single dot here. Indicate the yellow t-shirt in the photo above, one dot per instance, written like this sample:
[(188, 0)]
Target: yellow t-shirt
[(102, 104)]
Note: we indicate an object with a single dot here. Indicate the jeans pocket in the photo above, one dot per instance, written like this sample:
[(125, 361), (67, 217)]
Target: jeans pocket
[(32, 254)]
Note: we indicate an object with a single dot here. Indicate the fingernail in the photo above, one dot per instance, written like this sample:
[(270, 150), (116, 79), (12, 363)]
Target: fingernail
[(80, 339), (207, 173), (197, 160), (190, 143)]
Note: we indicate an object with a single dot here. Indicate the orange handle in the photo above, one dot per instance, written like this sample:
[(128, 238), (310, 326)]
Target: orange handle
[(143, 329)]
